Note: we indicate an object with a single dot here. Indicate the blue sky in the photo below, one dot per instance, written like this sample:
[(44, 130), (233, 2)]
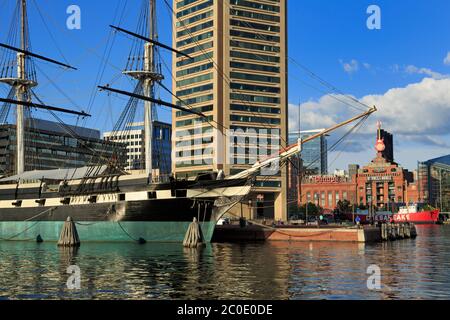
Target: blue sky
[(322, 33), (400, 66)]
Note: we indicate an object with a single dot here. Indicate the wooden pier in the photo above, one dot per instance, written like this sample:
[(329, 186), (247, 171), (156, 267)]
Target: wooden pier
[(362, 234)]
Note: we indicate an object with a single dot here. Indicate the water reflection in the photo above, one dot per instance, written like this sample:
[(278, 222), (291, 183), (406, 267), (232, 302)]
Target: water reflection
[(411, 269)]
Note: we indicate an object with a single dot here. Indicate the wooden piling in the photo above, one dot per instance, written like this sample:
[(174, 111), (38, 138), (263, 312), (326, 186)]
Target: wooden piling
[(69, 235), (401, 231), (408, 230), (384, 232), (194, 236), (413, 231)]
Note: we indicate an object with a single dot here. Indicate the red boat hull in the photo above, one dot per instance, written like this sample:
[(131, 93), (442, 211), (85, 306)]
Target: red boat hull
[(423, 217)]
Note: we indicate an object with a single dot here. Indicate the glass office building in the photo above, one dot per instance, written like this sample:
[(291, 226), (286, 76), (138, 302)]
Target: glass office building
[(314, 153), (48, 145), (437, 182)]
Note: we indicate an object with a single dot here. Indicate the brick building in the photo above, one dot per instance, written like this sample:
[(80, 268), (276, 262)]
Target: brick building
[(327, 191), (382, 183), (385, 184)]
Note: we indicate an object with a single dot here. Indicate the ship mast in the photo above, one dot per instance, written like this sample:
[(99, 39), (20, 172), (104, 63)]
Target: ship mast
[(19, 72), (21, 93), (22, 83), (149, 76)]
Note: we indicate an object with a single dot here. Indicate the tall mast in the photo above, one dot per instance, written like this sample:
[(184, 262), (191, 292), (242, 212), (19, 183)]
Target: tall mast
[(23, 79), (148, 76), (149, 83), (21, 90)]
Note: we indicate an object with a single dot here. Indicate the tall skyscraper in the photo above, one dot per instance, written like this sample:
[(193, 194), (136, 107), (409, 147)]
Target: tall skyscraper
[(314, 153), (388, 139), (237, 77), (353, 170)]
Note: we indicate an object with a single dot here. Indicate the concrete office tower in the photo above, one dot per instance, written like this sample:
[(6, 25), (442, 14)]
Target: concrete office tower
[(238, 78)]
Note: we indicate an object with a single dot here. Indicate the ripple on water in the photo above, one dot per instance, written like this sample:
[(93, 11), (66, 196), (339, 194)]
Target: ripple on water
[(411, 269)]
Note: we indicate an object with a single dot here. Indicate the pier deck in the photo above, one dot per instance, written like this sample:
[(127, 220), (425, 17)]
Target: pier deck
[(235, 233)]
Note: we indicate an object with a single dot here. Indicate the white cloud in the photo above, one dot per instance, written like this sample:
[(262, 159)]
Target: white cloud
[(419, 113), (350, 67), (366, 65), (447, 59), (424, 71), (421, 108)]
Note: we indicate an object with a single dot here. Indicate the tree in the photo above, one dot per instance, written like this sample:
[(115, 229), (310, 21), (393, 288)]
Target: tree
[(344, 206), (313, 209)]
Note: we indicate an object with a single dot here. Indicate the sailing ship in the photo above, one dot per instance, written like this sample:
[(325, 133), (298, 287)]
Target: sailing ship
[(106, 202)]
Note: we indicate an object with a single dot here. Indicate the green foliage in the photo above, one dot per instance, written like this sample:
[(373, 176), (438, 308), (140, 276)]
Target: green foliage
[(313, 209), (300, 212), (344, 207)]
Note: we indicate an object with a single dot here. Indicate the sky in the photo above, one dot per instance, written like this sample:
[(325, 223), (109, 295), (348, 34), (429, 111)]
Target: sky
[(403, 68)]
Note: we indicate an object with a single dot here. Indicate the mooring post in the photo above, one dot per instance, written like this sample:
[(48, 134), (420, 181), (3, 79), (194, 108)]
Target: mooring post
[(408, 230), (69, 235), (194, 235)]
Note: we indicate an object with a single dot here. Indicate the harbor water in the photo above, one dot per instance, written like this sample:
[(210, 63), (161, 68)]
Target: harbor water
[(410, 269)]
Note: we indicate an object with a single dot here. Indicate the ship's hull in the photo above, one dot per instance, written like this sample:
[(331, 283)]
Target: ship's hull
[(124, 209), (422, 217), (105, 231), (150, 220)]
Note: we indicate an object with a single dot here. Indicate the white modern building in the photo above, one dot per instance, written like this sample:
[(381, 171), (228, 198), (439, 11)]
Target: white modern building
[(133, 138)]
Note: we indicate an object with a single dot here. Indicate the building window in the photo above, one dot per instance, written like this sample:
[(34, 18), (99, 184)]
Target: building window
[(254, 77), (189, 91), (202, 57), (196, 69), (194, 19), (238, 118), (254, 15), (195, 8), (316, 198), (254, 5), (193, 80), (252, 98), (252, 56), (240, 107), (248, 87), (194, 49), (200, 37)]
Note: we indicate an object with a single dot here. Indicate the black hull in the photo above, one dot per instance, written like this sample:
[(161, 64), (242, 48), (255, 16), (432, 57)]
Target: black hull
[(167, 210)]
